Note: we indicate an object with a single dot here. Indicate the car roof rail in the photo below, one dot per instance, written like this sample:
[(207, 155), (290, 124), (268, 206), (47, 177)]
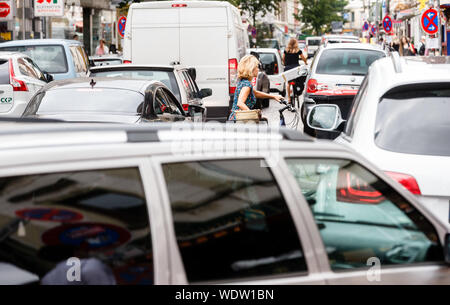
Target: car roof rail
[(150, 133), (396, 61)]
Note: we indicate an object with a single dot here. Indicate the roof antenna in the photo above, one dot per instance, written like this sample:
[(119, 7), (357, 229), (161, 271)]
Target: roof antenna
[(93, 83)]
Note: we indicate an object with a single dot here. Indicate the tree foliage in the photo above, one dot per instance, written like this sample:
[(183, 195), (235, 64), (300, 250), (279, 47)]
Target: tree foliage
[(317, 15), (253, 7)]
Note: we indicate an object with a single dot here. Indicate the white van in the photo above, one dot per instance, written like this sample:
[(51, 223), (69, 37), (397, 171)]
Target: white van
[(312, 45), (206, 35)]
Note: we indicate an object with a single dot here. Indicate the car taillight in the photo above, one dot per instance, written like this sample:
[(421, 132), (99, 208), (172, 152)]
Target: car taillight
[(127, 61), (352, 189), (179, 5), (311, 87), (186, 107), (232, 74), (275, 71), (18, 85), (409, 182)]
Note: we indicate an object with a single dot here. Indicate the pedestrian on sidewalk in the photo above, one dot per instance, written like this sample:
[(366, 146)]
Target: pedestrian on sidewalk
[(102, 49), (406, 48), (245, 95), (291, 60), (422, 47)]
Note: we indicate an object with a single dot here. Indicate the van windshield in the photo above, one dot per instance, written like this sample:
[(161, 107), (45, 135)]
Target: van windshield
[(49, 58)]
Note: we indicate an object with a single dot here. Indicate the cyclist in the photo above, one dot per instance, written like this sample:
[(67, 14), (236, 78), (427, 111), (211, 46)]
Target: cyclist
[(291, 59)]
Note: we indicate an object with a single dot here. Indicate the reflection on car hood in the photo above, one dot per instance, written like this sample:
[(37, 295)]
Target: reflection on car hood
[(92, 117)]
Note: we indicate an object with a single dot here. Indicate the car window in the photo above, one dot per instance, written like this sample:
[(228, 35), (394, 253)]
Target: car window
[(359, 216), (415, 120), (36, 69), (314, 42), (190, 91), (161, 103), (4, 72), (165, 77), (231, 221), (347, 61), (172, 102), (354, 113), (49, 58), (97, 219), (84, 59), (76, 60), (26, 69), (79, 100)]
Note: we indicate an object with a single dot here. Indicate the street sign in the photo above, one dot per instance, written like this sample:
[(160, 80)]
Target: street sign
[(365, 26), (6, 10), (121, 25), (430, 21), (48, 8), (387, 24), (374, 29)]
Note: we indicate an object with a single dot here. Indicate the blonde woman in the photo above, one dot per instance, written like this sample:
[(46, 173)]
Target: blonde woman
[(245, 95), (291, 59)]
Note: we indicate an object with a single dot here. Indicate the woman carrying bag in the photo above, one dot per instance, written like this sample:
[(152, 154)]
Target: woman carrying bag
[(245, 95)]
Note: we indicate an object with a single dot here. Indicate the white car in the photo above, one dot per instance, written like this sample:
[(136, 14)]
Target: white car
[(20, 79), (400, 121), (340, 39), (312, 45), (206, 35), (272, 65), (336, 73)]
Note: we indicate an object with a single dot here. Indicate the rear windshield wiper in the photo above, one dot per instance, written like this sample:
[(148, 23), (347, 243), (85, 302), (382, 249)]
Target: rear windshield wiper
[(359, 74)]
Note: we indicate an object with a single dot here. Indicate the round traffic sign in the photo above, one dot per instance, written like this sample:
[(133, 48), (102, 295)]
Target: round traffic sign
[(5, 9), (387, 24), (430, 21), (121, 25), (374, 29), (366, 26), (49, 214)]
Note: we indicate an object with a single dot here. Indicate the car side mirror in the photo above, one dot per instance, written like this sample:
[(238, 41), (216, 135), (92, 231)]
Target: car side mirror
[(205, 92), (48, 77), (447, 248), (193, 73), (325, 117)]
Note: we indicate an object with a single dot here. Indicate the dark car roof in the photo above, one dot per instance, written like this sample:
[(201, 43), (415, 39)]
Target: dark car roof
[(102, 82)]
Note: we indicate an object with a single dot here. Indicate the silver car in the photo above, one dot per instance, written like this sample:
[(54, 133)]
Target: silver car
[(189, 204)]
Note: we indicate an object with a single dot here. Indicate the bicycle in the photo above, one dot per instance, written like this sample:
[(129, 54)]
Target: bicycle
[(297, 90), (294, 123)]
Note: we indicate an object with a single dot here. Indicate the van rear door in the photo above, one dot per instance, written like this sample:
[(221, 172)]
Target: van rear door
[(155, 36), (6, 89), (204, 45)]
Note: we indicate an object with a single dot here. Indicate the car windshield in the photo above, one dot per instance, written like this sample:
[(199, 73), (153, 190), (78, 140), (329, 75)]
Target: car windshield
[(271, 44), (347, 61), (97, 100), (314, 42), (165, 77), (415, 121), (49, 58), (267, 58)]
